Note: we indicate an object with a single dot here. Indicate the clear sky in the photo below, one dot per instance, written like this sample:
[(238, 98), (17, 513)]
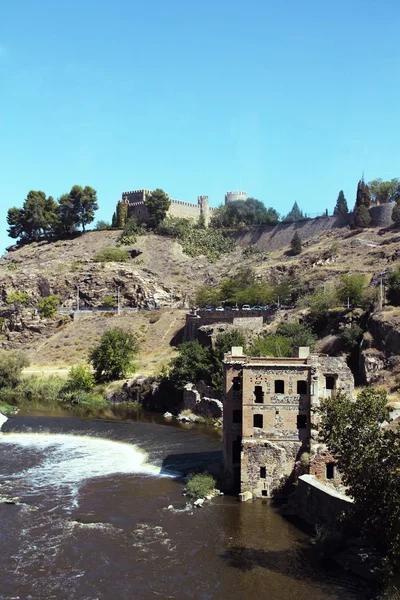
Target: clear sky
[(287, 100)]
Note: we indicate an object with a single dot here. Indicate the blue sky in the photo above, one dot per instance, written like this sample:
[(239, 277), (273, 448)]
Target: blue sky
[(286, 100)]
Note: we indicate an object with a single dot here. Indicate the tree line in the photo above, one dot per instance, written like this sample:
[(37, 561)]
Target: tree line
[(42, 217)]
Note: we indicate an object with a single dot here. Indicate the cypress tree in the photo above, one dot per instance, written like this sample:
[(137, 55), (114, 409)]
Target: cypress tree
[(362, 217), (341, 207), (363, 197), (295, 244)]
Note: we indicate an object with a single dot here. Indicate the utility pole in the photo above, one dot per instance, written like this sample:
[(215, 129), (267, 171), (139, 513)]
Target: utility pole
[(118, 301), (77, 298)]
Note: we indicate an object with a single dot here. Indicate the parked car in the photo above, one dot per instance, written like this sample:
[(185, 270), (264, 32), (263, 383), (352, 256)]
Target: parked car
[(256, 307), (220, 308), (208, 308), (235, 307), (246, 307)]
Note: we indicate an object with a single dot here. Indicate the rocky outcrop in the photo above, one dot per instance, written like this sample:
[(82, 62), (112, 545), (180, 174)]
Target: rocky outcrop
[(385, 330), (202, 401)]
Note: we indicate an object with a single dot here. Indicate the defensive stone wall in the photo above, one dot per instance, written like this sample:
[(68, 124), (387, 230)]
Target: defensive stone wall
[(239, 318)]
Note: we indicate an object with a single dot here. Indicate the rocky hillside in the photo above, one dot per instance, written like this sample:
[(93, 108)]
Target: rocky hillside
[(159, 273)]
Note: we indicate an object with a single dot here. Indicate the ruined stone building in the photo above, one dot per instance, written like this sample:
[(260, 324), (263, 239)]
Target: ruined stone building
[(270, 418)]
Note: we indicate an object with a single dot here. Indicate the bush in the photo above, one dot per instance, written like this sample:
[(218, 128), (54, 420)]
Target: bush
[(351, 336), (34, 391), (271, 345), (393, 292), (11, 365), (111, 255), (108, 302), (192, 364), (299, 334), (396, 213), (102, 226), (362, 217), (18, 298), (112, 358), (295, 244), (352, 289), (319, 303), (47, 307), (199, 485), (80, 378), (196, 241)]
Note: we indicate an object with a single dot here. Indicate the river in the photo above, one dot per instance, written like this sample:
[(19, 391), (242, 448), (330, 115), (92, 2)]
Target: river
[(93, 521)]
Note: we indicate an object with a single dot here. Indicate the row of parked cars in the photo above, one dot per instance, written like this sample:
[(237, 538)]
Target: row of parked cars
[(243, 307)]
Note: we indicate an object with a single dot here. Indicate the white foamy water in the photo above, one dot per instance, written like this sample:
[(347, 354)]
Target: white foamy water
[(66, 461), (3, 419)]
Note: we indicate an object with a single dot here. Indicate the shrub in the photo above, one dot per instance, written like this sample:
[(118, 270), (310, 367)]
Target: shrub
[(362, 217), (199, 485), (271, 345), (318, 304), (47, 307), (18, 298), (396, 213), (295, 244), (112, 358), (192, 364), (11, 365), (351, 336), (12, 266), (299, 334), (102, 226), (108, 301), (80, 378), (111, 255), (393, 292), (351, 288)]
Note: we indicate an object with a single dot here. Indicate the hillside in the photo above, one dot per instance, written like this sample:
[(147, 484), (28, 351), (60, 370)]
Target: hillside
[(159, 273)]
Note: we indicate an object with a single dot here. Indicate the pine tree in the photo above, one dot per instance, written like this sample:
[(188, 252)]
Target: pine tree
[(295, 244), (341, 207), (157, 204)]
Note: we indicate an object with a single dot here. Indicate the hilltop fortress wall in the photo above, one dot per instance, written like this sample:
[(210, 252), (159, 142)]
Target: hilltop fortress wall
[(274, 237), (265, 237)]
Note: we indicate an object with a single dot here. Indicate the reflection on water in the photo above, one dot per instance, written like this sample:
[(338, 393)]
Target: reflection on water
[(93, 521)]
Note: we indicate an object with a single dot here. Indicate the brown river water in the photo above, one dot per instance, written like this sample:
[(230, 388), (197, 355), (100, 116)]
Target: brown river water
[(93, 521)]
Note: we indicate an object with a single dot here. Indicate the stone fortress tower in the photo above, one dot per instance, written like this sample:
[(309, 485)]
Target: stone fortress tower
[(235, 196)]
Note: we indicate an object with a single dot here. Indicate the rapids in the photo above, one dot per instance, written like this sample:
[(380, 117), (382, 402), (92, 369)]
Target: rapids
[(90, 520)]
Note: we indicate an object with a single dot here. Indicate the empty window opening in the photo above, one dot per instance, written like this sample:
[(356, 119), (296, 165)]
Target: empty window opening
[(236, 450), (237, 383), (259, 394), (237, 416), (302, 387), (301, 421), (329, 382), (330, 470), (264, 493), (279, 386), (263, 472), (277, 412), (258, 421)]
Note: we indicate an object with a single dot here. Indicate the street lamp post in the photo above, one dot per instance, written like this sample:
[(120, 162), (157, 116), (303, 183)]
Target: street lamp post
[(118, 301), (382, 273)]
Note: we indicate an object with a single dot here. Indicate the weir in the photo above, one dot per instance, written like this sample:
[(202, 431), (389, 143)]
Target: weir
[(3, 419)]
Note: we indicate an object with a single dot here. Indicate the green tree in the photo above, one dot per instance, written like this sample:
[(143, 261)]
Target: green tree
[(157, 204), (84, 201), (15, 220), (271, 345), (341, 207), (199, 485), (11, 365), (192, 364), (299, 334), (319, 303), (48, 306), (243, 212), (67, 219), (351, 288), (351, 336), (383, 192), (207, 296), (112, 357), (393, 291), (294, 215), (295, 244), (223, 344), (362, 217), (368, 458), (363, 197), (396, 213), (80, 377), (102, 225)]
